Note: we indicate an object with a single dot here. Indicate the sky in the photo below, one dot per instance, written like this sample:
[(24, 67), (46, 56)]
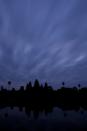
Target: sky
[(43, 39)]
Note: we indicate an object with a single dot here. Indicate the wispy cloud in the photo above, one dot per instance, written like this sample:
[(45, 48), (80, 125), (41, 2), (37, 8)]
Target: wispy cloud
[(43, 38)]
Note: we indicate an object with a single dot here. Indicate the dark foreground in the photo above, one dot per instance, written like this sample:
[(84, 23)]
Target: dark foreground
[(67, 108)]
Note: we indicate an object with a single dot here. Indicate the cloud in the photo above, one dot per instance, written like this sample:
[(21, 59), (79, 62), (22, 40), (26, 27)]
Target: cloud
[(44, 39)]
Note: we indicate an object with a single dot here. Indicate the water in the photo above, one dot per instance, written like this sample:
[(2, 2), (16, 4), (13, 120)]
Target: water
[(56, 120)]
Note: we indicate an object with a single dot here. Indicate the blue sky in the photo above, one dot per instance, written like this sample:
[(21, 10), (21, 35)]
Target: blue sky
[(44, 39)]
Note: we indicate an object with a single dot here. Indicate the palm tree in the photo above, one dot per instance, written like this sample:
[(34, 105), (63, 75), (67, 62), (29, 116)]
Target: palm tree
[(63, 83), (9, 84)]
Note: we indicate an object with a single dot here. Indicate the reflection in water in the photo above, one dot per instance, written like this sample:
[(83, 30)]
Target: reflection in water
[(65, 114), (24, 118), (6, 114), (27, 111)]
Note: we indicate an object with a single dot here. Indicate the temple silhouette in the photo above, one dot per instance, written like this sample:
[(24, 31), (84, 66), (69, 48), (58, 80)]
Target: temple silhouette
[(40, 97)]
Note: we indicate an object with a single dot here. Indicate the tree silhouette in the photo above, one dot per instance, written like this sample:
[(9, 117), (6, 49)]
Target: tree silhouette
[(63, 83), (9, 84), (13, 89)]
